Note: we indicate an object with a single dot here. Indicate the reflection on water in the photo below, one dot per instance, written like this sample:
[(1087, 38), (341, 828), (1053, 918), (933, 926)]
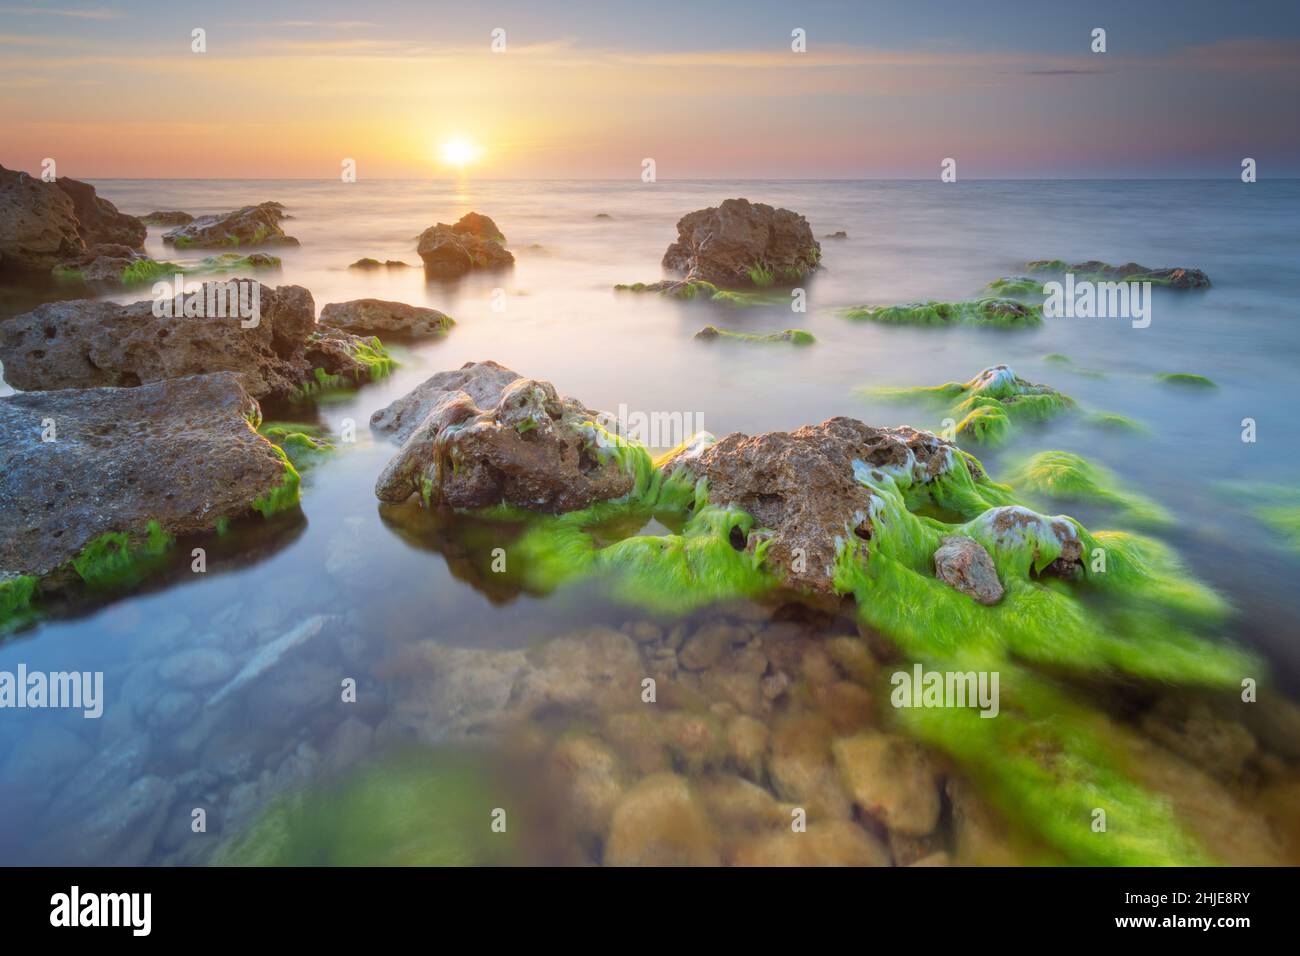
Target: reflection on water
[(226, 690)]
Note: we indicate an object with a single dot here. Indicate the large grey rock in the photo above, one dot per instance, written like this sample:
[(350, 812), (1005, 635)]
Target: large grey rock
[(180, 452), (483, 435), (87, 343), (739, 243), (387, 319), (244, 227)]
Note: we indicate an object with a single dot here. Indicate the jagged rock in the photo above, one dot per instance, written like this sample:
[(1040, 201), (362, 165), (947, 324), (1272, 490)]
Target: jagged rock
[(172, 217), (482, 435), (248, 226), (179, 452), (802, 485), (377, 317), (98, 221), (1174, 278), (63, 223), (739, 243), (965, 566), (474, 242), (84, 343)]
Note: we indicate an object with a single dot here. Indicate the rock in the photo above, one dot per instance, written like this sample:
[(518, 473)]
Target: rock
[(659, 823), (1217, 744), (740, 244), (98, 221), (171, 217), (474, 242), (178, 452), (389, 319), (965, 566), (1012, 526), (636, 736), (746, 740), (737, 804), (38, 224), (86, 343), (589, 772), (825, 843), (838, 234), (1174, 278), (703, 648), (197, 667), (644, 632), (802, 769), (891, 779), (695, 740), (270, 655), (482, 435), (979, 836), (462, 692), (803, 485), (247, 226)]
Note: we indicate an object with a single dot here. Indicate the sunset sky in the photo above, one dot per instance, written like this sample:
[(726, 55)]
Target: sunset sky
[(709, 90)]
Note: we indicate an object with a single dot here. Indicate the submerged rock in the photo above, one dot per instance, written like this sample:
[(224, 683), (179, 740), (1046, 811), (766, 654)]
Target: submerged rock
[(167, 217), (891, 779), (372, 264), (794, 336), (45, 225), (247, 226), (84, 344), (1173, 278), (661, 823), (802, 486), (474, 242), (993, 312), (378, 317), (740, 244), (964, 565), (178, 453), (483, 435)]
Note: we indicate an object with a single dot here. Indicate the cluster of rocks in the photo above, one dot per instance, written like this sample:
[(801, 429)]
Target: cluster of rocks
[(474, 242), (63, 225), (88, 343), (247, 226), (1174, 278)]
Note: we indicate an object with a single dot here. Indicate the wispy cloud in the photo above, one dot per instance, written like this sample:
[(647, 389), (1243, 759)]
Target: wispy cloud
[(83, 13)]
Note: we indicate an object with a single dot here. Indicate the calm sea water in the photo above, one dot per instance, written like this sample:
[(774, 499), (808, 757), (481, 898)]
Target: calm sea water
[(120, 789)]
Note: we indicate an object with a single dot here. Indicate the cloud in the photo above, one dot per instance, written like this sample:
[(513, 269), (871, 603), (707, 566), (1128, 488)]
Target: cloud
[(87, 13)]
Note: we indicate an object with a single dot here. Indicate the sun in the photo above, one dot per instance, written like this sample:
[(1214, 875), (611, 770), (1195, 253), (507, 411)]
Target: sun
[(459, 152)]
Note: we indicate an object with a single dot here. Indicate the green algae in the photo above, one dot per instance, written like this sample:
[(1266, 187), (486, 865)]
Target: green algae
[(17, 601), (1189, 379), (234, 262), (791, 336), (1117, 423), (760, 275), (1015, 287), (142, 271), (285, 495), (411, 809), (1277, 506), (302, 444), (1065, 476), (117, 559), (988, 407), (374, 362), (689, 290), (992, 312)]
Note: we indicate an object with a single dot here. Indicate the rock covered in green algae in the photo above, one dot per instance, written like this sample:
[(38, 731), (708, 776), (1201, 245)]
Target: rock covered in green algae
[(1095, 270), (483, 435), (389, 319), (126, 470), (1186, 379), (474, 242), (699, 290), (991, 312), (247, 226), (990, 404), (86, 343), (739, 244), (1066, 477), (794, 336)]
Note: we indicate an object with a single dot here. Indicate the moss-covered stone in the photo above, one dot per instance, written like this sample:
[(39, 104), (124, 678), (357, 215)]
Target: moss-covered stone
[(117, 559), (991, 312), (1187, 379), (792, 336), (1066, 477)]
